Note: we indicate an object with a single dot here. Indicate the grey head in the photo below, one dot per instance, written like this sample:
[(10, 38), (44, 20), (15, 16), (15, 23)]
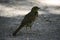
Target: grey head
[(35, 8)]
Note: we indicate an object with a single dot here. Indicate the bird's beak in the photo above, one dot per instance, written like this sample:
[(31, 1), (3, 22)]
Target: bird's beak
[(39, 8)]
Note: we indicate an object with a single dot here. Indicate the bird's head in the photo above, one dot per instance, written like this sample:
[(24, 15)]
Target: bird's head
[(35, 9)]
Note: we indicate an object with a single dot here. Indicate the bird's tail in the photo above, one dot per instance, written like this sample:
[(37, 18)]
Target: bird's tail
[(17, 30)]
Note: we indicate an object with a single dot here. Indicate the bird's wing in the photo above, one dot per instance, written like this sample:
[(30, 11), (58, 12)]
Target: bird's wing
[(28, 19)]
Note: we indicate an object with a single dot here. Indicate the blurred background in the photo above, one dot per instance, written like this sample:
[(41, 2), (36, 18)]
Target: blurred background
[(46, 26)]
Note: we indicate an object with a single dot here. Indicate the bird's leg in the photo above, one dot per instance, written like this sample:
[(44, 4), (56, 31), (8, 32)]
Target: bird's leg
[(26, 28), (30, 28), (27, 38)]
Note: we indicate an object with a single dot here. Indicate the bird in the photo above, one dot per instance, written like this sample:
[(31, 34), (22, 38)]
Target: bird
[(28, 20)]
